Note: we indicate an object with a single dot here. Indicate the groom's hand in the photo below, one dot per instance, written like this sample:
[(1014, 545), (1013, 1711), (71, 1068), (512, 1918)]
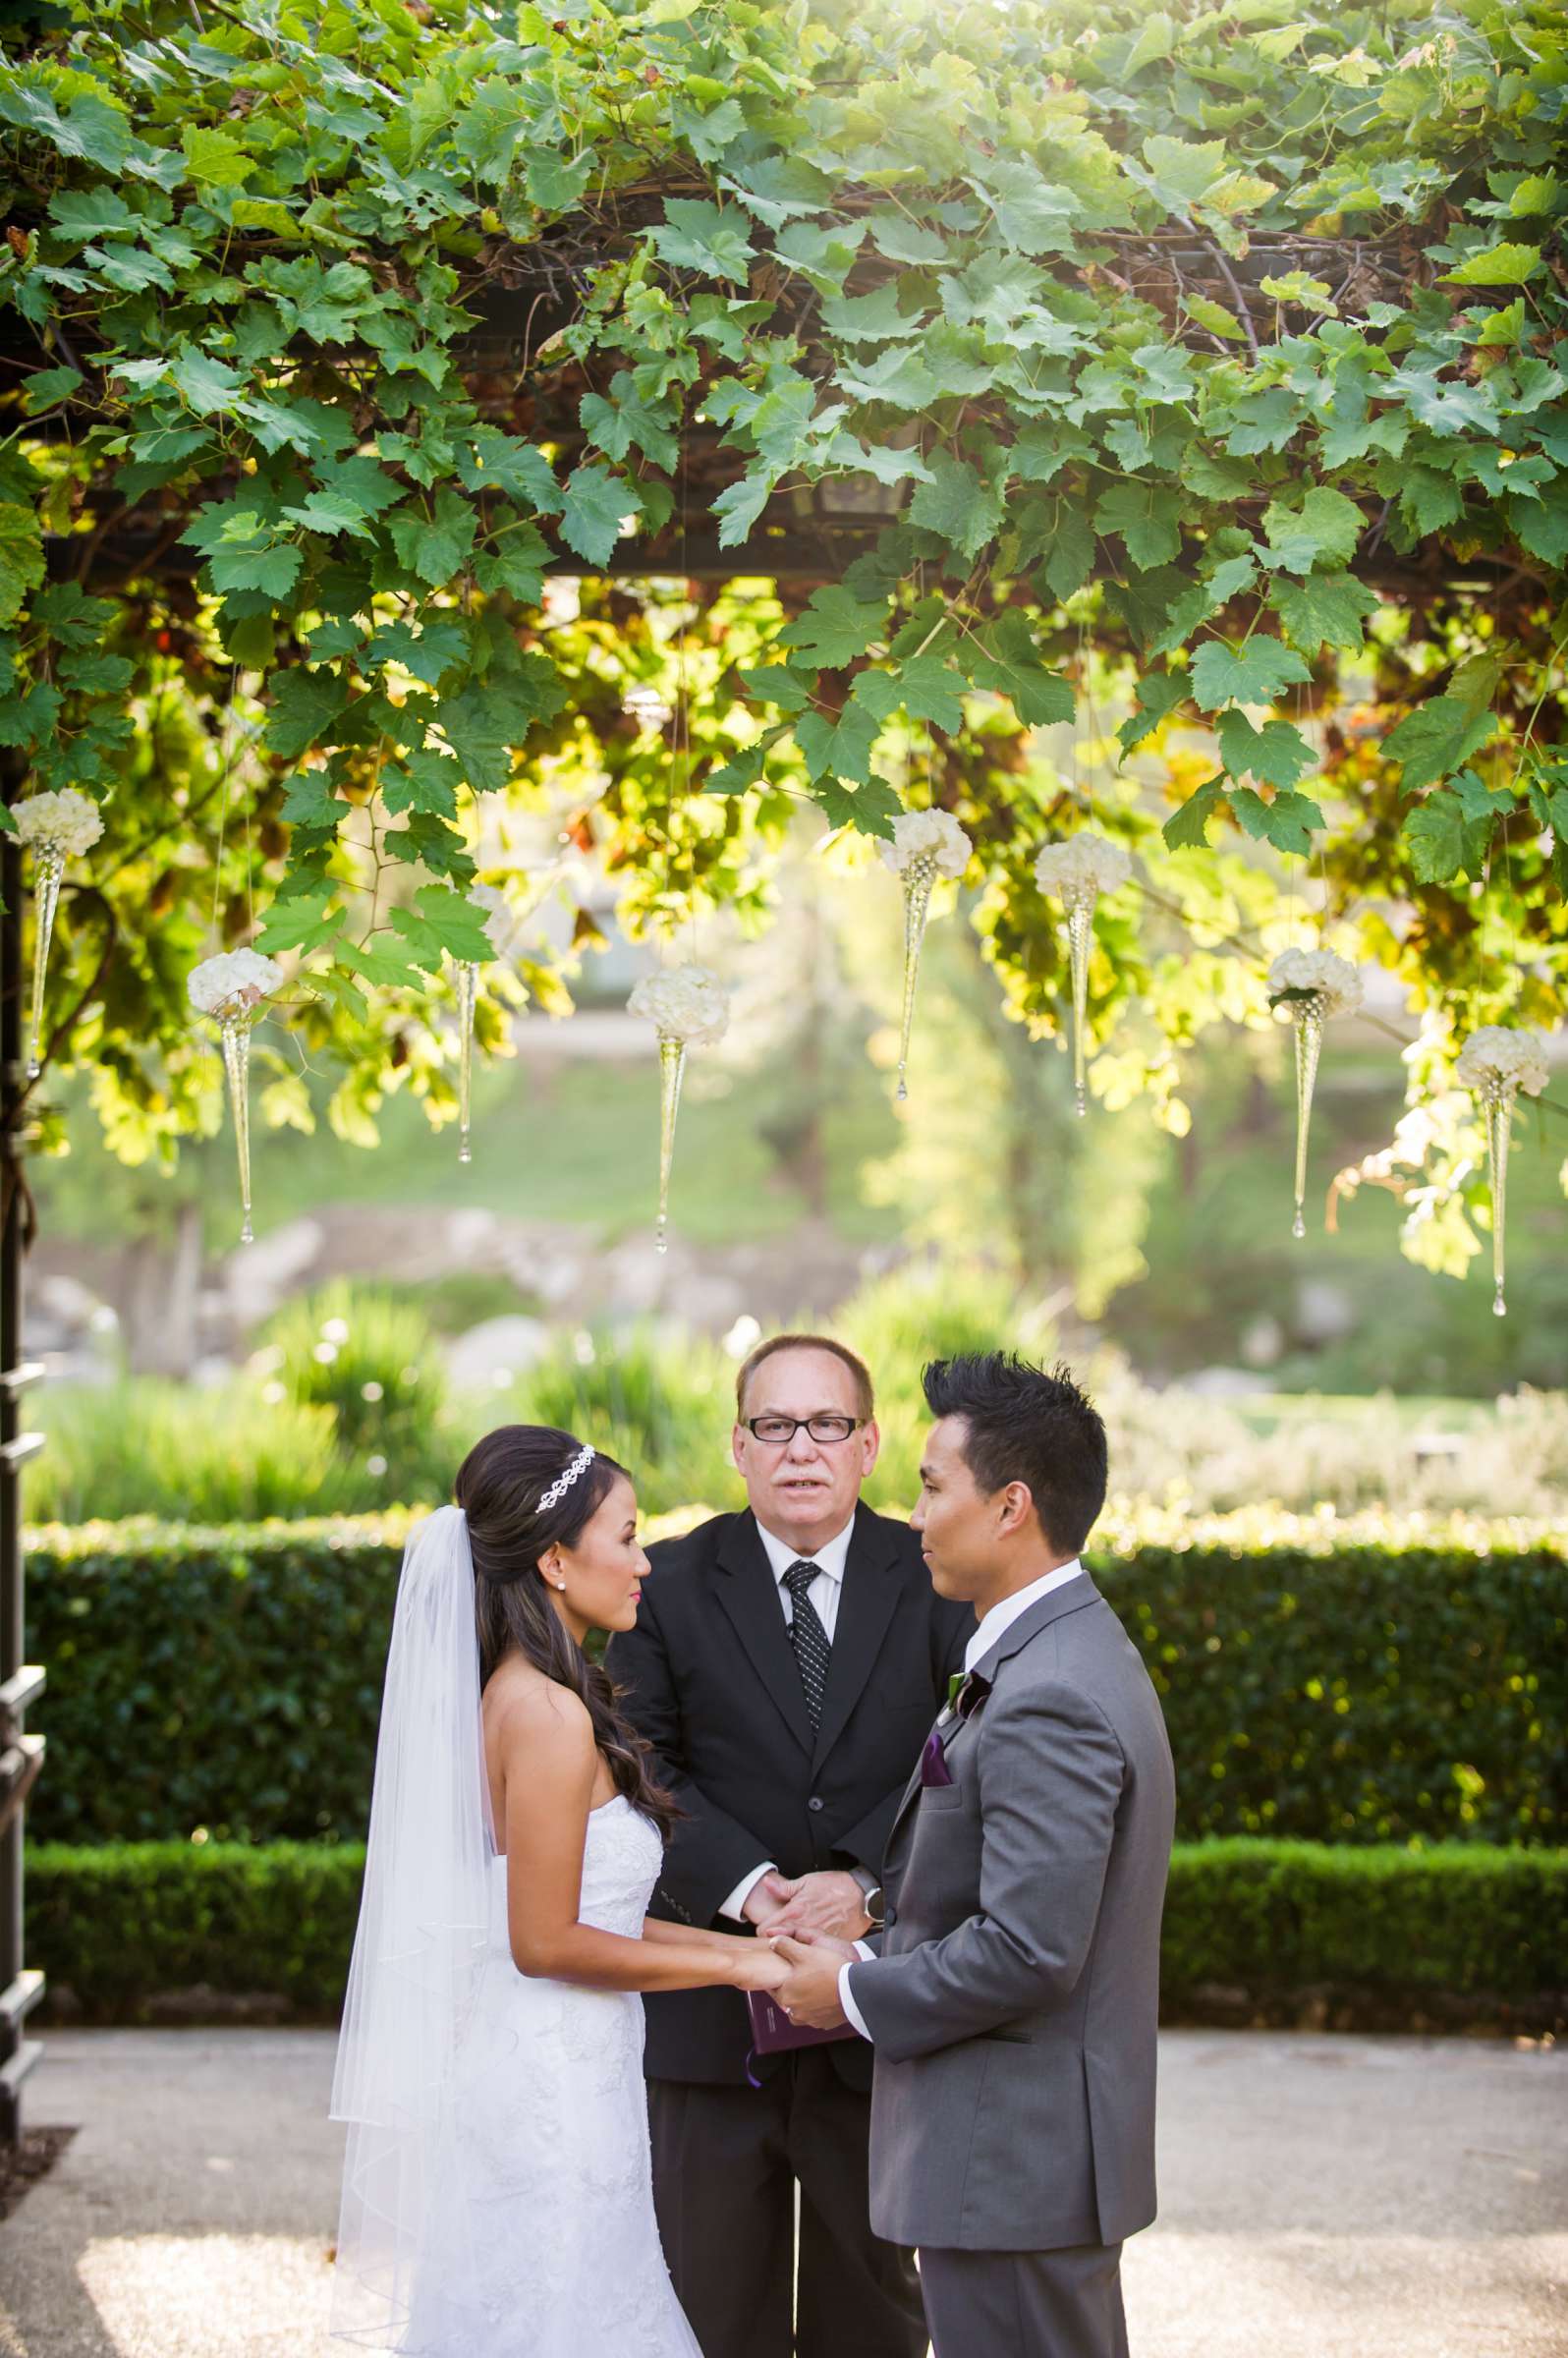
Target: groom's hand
[(827, 1902), (811, 1994)]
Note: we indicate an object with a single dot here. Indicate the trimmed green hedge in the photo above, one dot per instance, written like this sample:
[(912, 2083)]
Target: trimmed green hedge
[(1261, 1921), (1364, 1681)]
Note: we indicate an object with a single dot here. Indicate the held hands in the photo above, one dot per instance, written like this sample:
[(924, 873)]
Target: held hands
[(755, 1966), (767, 1899), (810, 1992), (827, 1904)]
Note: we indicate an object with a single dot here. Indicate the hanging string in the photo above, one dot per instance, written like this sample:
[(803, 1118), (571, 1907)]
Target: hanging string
[(226, 769)]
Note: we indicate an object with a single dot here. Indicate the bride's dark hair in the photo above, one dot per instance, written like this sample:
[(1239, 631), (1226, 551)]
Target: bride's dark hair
[(500, 1487)]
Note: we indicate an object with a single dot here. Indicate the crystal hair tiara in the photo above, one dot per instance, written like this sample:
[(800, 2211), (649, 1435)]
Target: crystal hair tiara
[(563, 1482)]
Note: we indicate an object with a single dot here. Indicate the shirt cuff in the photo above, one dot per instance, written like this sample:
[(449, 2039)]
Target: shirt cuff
[(852, 2014), (735, 1905)]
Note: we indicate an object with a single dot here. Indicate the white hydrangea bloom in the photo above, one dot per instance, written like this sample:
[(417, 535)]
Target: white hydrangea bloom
[(1331, 977), (1498, 1052), (683, 1002), (1086, 862), (66, 822), (232, 982), (919, 834)]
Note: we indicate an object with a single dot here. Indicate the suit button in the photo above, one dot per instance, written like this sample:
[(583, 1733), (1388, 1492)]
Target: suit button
[(817, 1802), (889, 1917)]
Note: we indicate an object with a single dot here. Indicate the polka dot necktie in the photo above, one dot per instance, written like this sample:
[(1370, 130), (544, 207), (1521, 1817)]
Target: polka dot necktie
[(810, 1639)]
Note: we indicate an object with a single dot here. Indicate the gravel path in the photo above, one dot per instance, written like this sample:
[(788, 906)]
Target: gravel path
[(1323, 2198)]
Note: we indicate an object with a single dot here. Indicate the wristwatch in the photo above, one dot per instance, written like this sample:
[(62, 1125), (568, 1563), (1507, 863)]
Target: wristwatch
[(875, 1907)]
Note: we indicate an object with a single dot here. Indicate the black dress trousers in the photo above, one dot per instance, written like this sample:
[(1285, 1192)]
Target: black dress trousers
[(726, 2163)]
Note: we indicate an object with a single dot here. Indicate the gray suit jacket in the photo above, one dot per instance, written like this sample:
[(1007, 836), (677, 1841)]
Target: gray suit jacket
[(1015, 2001)]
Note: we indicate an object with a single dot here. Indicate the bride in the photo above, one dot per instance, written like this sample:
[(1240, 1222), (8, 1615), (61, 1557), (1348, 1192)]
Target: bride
[(497, 2199)]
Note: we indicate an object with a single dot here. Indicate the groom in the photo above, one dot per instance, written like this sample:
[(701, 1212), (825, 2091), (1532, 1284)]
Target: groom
[(1013, 2005), (785, 1666)]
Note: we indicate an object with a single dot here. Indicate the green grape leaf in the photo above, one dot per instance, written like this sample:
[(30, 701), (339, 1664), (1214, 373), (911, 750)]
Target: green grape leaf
[(1325, 610), (1252, 673), (838, 748), (1435, 832), (698, 235), (869, 809), (1004, 658), (313, 801), (958, 503), (1496, 266), (304, 705), (1188, 827), (624, 419), (835, 628), (1147, 517), (1158, 695), (1439, 735), (423, 781), (596, 504), (435, 548), (1320, 526), (927, 688), (22, 562), (1286, 822), (1276, 754)]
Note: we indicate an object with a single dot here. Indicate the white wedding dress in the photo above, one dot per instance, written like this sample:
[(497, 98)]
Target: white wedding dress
[(541, 2237)]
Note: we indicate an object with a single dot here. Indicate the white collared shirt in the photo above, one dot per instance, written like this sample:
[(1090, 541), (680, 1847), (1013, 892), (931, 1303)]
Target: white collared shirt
[(824, 1590), (1001, 1616), (822, 1595), (997, 1622)]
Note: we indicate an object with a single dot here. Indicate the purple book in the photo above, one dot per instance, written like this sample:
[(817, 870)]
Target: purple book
[(772, 2030)]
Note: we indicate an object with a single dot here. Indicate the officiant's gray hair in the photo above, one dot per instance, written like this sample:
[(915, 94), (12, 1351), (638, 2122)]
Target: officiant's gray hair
[(864, 1389)]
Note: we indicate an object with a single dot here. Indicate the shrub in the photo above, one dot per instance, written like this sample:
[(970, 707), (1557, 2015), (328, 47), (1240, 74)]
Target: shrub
[(1278, 1916), (1366, 1682), (220, 1456), (117, 1927), (371, 1359), (663, 1407)]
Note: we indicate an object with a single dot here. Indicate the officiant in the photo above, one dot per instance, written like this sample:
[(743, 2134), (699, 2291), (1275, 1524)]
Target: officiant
[(787, 1664)]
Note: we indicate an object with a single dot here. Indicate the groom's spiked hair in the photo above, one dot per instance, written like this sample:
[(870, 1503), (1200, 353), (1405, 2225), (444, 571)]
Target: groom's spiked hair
[(1027, 1425)]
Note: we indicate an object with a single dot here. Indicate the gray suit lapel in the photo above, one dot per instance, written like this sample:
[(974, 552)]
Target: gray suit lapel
[(1070, 1598)]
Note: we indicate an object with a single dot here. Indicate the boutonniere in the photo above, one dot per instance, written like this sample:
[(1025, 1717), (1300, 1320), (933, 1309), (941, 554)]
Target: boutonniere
[(965, 1692)]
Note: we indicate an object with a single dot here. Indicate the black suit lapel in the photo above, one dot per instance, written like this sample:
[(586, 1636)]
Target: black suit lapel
[(868, 1597), (748, 1595)]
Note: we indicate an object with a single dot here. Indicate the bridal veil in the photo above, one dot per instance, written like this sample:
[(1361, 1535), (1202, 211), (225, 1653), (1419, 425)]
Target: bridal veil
[(422, 1940)]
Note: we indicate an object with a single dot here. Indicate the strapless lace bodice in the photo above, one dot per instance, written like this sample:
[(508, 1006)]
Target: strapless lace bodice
[(620, 1860)]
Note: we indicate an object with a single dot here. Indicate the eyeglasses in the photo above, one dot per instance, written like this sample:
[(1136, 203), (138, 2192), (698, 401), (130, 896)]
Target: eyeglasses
[(775, 1429)]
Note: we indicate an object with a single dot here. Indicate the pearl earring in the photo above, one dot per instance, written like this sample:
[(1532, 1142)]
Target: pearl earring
[(560, 1583)]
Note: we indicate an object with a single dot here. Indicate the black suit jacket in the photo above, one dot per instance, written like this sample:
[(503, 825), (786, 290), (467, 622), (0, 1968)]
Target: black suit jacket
[(709, 1677)]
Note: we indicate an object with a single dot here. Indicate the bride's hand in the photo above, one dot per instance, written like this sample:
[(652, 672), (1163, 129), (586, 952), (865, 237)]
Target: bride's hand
[(759, 1968)]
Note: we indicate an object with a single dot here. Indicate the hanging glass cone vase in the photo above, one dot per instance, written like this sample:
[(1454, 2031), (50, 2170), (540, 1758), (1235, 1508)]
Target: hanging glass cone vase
[(918, 878), (1080, 936), (48, 868), (468, 980), (235, 1034), (1308, 1017), (672, 1069), (1498, 1101)]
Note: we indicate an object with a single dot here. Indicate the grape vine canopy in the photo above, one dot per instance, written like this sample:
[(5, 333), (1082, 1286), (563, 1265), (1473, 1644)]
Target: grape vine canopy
[(418, 415)]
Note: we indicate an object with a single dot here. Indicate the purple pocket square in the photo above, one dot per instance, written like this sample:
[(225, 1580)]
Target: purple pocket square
[(933, 1762)]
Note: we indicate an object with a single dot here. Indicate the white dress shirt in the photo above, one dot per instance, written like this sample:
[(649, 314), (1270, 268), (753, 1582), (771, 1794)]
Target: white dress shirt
[(994, 1626), (822, 1595)]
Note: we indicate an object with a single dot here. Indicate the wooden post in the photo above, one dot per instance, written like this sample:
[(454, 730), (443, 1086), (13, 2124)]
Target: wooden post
[(20, 1755)]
